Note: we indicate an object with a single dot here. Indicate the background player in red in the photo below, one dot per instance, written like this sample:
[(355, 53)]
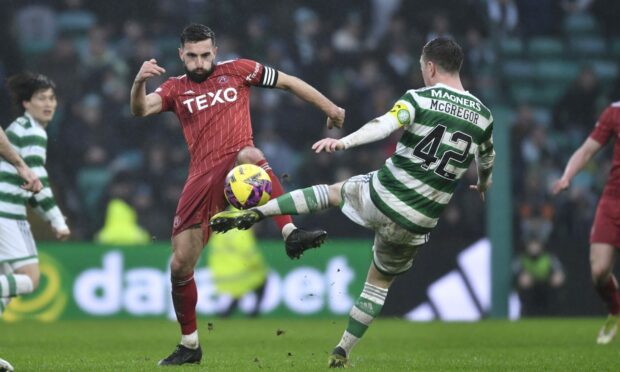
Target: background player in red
[(212, 103), (605, 233)]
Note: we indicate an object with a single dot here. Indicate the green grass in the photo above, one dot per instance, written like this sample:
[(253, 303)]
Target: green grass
[(252, 345)]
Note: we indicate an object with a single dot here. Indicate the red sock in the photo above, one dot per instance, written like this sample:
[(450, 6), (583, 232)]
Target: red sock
[(184, 299), (276, 190), (609, 293)]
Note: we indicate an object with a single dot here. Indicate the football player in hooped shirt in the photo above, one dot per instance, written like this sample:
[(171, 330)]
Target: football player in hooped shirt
[(212, 102)]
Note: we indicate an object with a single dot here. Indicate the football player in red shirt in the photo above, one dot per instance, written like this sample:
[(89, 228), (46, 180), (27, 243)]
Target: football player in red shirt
[(605, 233), (212, 102)]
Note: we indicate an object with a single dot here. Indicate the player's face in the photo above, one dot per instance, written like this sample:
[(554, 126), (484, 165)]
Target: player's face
[(198, 59), (42, 105)]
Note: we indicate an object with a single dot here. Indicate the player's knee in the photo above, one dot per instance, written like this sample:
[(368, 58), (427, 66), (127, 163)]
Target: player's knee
[(600, 272), (335, 195), (250, 155), (35, 280), (180, 267), (32, 272)]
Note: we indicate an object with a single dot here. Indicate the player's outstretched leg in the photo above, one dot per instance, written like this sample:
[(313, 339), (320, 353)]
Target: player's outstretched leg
[(302, 201), (182, 355), (608, 331), (297, 240), (5, 366)]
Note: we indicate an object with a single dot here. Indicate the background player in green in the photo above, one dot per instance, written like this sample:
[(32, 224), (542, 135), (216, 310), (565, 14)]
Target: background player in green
[(445, 129), (31, 183), (34, 98)]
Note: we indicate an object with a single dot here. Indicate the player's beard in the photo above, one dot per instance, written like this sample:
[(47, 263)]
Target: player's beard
[(199, 77)]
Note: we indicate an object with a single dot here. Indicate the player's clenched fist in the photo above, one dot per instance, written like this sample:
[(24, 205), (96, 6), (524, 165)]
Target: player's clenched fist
[(336, 119), (62, 234), (149, 69)]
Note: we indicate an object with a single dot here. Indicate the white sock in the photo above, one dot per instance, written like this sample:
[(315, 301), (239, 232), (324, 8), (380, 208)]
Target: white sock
[(347, 342), (4, 302), (190, 341), (288, 229), (12, 285), (367, 307)]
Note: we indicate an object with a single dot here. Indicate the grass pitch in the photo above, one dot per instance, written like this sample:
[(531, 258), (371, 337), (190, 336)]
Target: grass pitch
[(303, 345)]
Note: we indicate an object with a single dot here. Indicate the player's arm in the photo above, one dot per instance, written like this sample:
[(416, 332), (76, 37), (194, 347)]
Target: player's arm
[(375, 130), (576, 163), (485, 158), (44, 204), (31, 181), (303, 90), (141, 103)]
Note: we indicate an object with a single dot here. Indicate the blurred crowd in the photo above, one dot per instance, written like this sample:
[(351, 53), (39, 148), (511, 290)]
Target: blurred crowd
[(574, 44), (544, 136), (363, 54)]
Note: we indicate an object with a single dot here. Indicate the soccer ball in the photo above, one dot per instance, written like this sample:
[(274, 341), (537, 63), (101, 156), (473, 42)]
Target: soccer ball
[(247, 186)]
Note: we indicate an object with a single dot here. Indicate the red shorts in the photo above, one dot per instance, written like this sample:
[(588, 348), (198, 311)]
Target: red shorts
[(606, 227), (202, 197)]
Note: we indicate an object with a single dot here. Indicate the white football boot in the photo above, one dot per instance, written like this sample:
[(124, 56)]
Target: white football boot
[(608, 331), (5, 366)]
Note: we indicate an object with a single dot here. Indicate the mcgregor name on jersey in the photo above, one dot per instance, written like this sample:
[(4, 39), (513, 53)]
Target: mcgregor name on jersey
[(455, 110)]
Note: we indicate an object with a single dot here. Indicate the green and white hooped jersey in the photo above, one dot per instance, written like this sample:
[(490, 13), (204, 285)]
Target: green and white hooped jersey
[(29, 139), (445, 130)]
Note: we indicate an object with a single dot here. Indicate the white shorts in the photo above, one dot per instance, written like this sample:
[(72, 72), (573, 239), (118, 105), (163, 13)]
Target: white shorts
[(17, 247), (394, 247)]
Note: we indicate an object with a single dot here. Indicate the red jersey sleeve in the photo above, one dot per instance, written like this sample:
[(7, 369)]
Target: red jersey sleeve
[(606, 126), (256, 73), (166, 92)]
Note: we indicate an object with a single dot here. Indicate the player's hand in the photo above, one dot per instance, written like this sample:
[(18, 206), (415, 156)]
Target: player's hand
[(559, 186), (328, 145), (337, 119), (481, 188), (149, 69), (31, 181), (62, 234)]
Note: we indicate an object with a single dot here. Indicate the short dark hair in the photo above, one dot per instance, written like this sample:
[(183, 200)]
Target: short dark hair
[(444, 52), (196, 32), (24, 85)]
